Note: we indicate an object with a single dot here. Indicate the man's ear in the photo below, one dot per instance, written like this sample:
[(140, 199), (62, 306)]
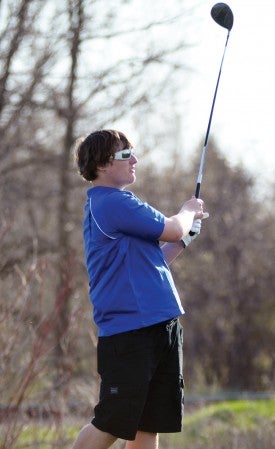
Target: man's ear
[(101, 168)]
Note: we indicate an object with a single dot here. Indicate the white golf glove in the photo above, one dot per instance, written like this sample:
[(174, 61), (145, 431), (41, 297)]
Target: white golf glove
[(196, 228)]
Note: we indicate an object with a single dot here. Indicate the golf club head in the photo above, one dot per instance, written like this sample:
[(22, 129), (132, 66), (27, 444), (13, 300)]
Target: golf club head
[(223, 15)]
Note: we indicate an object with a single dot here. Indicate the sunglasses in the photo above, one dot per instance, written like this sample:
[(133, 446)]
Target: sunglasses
[(123, 155)]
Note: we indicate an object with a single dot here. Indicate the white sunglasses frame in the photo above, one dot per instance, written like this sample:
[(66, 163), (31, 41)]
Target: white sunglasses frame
[(118, 155)]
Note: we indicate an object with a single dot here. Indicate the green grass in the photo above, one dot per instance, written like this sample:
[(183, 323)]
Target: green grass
[(238, 424), (243, 414), (230, 424), (46, 436)]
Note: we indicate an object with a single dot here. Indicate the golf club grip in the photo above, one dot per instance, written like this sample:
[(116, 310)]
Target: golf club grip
[(197, 194), (198, 188)]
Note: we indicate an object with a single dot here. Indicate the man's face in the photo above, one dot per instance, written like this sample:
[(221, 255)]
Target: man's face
[(121, 172)]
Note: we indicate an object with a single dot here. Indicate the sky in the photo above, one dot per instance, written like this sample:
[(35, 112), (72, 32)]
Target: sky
[(244, 116)]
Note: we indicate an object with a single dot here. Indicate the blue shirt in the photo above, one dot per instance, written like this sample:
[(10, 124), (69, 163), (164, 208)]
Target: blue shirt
[(131, 285)]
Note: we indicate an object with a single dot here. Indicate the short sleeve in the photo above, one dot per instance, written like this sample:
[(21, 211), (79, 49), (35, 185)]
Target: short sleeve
[(125, 213)]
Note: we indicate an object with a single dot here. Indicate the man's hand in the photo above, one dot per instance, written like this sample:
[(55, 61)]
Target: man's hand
[(196, 229)]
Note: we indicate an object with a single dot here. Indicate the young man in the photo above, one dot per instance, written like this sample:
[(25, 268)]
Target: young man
[(135, 303)]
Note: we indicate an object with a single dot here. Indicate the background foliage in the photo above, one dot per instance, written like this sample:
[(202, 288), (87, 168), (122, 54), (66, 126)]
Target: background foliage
[(66, 69)]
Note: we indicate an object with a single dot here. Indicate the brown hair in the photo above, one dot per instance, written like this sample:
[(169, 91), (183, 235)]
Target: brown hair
[(97, 149)]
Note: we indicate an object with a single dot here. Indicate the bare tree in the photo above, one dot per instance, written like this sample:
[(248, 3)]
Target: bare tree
[(67, 67)]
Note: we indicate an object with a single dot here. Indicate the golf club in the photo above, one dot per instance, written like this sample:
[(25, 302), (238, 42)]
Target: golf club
[(223, 16)]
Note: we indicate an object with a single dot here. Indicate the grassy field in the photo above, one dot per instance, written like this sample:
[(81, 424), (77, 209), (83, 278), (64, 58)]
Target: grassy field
[(241, 424)]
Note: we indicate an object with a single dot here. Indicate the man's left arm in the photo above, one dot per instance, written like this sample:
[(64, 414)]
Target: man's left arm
[(171, 250)]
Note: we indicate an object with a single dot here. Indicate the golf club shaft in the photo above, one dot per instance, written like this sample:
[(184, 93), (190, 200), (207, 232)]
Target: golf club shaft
[(199, 179)]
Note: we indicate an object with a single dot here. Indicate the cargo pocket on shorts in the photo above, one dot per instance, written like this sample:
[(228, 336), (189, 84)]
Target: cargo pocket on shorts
[(119, 408)]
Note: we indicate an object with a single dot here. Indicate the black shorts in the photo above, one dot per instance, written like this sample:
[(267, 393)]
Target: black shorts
[(141, 381)]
